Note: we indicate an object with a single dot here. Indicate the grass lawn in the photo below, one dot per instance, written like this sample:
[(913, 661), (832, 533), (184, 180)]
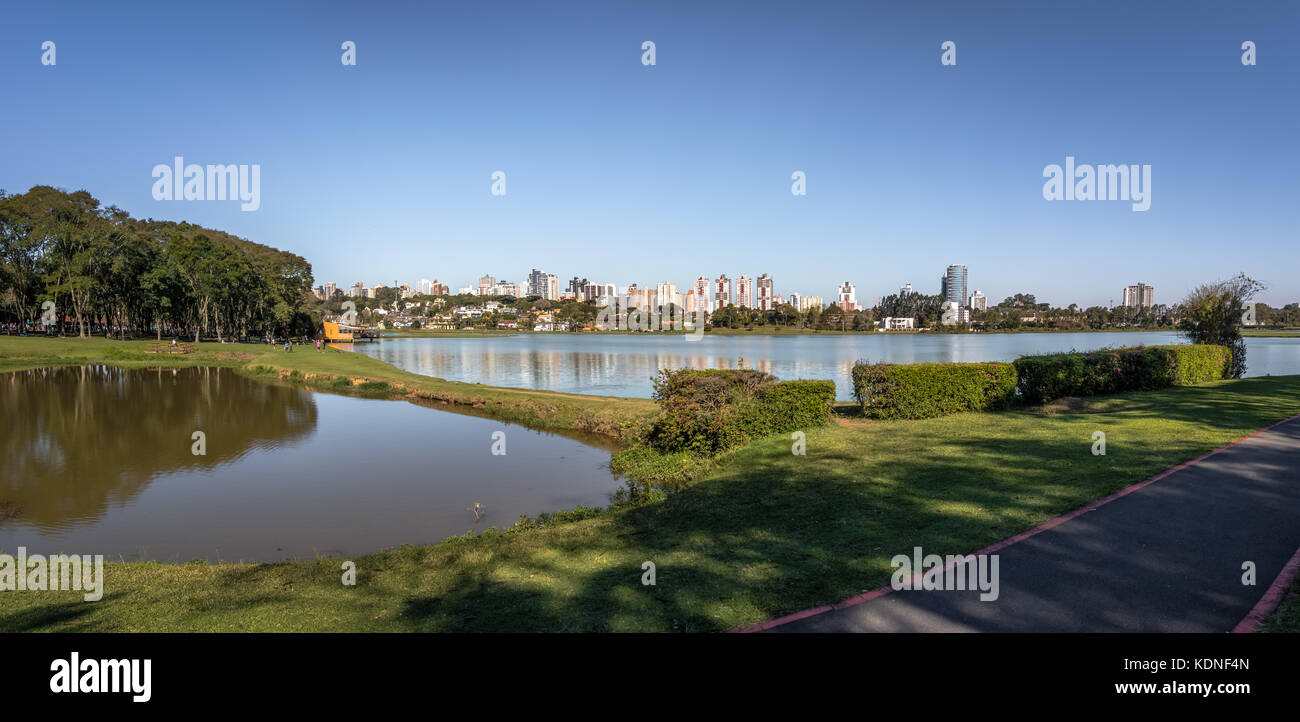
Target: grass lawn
[(763, 534)]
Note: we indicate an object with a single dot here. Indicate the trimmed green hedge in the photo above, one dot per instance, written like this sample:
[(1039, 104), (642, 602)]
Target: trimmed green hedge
[(705, 412), (922, 391), (1140, 368)]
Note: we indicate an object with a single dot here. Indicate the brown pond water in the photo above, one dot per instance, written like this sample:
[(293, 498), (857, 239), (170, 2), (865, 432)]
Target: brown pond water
[(100, 460)]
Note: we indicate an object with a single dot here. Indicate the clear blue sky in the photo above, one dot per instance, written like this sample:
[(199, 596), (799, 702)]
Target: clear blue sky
[(624, 173)]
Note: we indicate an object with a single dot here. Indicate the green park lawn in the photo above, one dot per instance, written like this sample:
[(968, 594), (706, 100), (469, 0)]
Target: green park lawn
[(763, 533)]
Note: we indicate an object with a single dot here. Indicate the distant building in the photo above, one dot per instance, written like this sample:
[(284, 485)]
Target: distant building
[(978, 301), (329, 289), (897, 324), (666, 293), (766, 297), (745, 291), (638, 298), (1139, 296), (701, 290), (954, 314), (848, 300), (577, 286), (721, 292), (905, 289), (358, 290), (808, 303), (543, 285), (602, 293), (485, 285), (795, 299), (954, 285)]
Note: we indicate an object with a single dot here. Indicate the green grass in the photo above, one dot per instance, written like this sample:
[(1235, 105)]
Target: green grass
[(761, 533), (1286, 618), (1271, 333)]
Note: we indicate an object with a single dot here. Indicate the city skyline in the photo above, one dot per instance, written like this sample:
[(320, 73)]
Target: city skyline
[(1139, 294)]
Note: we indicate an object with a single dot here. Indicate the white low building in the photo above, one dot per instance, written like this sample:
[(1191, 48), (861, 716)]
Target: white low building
[(892, 323)]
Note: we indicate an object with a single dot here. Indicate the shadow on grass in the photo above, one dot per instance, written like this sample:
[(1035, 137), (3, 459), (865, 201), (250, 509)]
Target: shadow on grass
[(773, 533)]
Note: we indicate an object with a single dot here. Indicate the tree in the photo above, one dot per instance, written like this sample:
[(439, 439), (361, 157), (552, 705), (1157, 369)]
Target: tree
[(1211, 314)]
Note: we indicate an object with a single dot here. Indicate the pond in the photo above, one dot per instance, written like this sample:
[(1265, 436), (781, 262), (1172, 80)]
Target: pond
[(623, 364), (101, 461)]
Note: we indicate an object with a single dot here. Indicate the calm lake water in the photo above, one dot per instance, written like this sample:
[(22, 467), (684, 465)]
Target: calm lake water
[(101, 462), (622, 365)]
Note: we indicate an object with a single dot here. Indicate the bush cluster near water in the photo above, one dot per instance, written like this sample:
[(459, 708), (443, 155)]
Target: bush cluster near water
[(708, 411), (921, 391), (1141, 368), (926, 390)]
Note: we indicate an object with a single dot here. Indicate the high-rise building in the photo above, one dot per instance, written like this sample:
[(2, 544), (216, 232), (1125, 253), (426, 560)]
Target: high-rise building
[(766, 300), (666, 293), (537, 283), (905, 289), (954, 285), (329, 289), (577, 286), (795, 299), (552, 287), (848, 297), (358, 290), (978, 301), (1139, 296), (808, 303), (702, 294), (721, 292), (638, 298), (745, 291), (604, 293)]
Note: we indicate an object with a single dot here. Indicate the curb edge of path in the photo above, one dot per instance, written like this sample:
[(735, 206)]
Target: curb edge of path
[(1265, 606)]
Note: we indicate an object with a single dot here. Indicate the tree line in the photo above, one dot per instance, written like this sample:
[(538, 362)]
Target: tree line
[(66, 258)]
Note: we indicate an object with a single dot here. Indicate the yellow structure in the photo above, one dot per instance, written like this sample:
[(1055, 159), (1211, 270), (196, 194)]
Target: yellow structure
[(332, 332)]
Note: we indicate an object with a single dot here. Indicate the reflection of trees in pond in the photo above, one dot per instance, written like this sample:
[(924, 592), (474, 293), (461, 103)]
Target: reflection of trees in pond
[(78, 438)]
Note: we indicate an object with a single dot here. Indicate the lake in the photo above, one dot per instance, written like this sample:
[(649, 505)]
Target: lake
[(623, 364), (102, 462)]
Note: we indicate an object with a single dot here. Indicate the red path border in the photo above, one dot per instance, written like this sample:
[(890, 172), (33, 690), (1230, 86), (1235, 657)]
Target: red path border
[(1265, 606)]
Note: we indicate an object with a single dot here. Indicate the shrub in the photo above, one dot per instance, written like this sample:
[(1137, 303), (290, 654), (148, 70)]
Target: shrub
[(1142, 368), (705, 412), (922, 391)]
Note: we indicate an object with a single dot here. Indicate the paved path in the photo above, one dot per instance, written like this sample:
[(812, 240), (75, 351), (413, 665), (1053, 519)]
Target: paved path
[(1165, 557)]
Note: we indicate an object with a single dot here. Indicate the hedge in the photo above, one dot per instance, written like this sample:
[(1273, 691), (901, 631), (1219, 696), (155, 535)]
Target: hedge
[(1139, 368), (922, 391), (705, 412)]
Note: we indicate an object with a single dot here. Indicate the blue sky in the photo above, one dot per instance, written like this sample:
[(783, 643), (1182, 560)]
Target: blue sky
[(623, 173)]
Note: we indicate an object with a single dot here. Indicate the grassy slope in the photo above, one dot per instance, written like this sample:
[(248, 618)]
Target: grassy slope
[(765, 534)]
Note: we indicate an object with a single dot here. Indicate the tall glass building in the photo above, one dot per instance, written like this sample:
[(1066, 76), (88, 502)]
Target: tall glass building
[(954, 285)]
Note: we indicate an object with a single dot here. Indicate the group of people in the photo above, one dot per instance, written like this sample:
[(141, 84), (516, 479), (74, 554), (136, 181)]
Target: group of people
[(289, 343)]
